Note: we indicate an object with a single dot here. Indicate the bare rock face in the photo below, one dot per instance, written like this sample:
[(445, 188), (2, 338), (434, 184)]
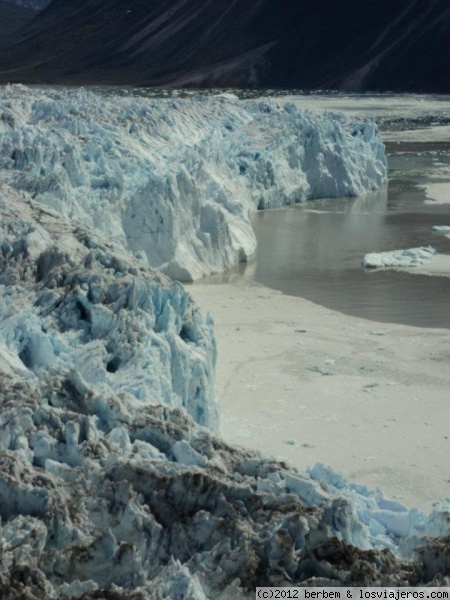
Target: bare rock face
[(110, 489), (14, 16)]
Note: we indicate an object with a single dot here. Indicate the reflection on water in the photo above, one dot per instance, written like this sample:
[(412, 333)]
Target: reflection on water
[(314, 250), (374, 202)]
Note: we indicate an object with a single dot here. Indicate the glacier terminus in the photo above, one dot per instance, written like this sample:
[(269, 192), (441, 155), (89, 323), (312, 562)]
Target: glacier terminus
[(114, 481)]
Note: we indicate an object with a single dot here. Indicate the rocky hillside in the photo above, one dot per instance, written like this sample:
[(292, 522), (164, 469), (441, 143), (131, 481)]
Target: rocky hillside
[(14, 16), (375, 45)]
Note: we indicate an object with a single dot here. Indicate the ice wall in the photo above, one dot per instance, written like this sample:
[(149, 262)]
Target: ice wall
[(177, 179), (109, 489), (72, 302), (110, 486)]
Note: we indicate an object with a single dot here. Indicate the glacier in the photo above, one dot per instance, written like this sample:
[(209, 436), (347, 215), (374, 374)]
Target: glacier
[(85, 308), (114, 482), (176, 180)]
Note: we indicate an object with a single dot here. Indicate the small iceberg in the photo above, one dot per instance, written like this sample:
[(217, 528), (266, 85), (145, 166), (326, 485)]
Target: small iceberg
[(442, 228), (412, 257)]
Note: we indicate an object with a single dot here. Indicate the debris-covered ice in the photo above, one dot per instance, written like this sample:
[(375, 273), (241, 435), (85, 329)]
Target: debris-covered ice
[(175, 180), (109, 489), (72, 301), (113, 481)]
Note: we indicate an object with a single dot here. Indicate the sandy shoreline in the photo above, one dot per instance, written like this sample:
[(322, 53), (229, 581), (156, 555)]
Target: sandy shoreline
[(309, 385)]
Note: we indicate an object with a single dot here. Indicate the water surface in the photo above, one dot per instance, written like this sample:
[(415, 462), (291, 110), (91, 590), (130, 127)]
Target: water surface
[(314, 250)]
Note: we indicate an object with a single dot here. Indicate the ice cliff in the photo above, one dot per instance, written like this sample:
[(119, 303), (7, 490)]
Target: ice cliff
[(109, 489), (176, 180), (113, 482), (73, 302)]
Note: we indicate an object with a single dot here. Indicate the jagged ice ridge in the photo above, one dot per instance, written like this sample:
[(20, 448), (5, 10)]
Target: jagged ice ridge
[(109, 492), (112, 322), (176, 180), (113, 483)]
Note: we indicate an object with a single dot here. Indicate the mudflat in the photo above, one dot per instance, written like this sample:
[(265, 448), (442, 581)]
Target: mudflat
[(308, 384)]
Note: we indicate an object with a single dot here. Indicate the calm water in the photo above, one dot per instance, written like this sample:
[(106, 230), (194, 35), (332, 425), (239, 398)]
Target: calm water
[(314, 250)]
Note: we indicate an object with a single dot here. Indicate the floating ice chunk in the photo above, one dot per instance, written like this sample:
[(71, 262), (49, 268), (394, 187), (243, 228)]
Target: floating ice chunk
[(411, 257), (443, 228), (227, 96), (439, 193)]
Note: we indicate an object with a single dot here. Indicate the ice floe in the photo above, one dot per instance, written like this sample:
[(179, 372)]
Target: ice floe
[(439, 193), (411, 257)]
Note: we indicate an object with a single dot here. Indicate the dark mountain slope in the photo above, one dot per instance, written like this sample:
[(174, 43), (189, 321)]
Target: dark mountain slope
[(13, 17), (32, 4), (375, 44)]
